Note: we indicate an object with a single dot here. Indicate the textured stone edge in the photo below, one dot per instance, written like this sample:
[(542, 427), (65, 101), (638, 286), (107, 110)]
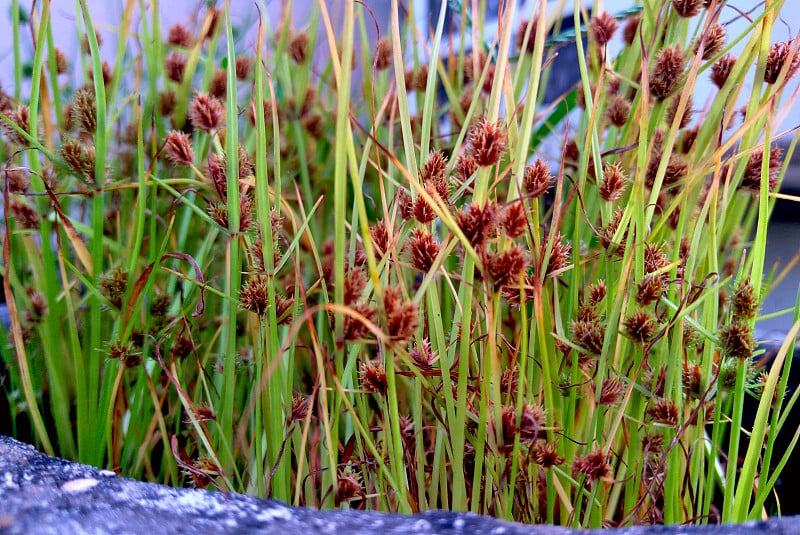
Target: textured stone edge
[(43, 494)]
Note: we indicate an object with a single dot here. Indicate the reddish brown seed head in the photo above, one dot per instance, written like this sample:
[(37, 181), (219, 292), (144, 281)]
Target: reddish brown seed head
[(78, 157), (520, 37), (631, 29), (640, 326), (167, 102), (62, 65), (218, 86), (175, 66), (722, 69), (714, 41), (744, 301), (663, 411), (595, 465), (559, 255), (602, 28), (487, 142), (537, 179), (611, 392), (423, 211), (206, 113), (650, 289), (477, 223), (545, 454), (85, 42), (692, 379), (672, 111), (667, 72), (383, 54), (589, 335), (751, 180), (84, 110), (20, 116), (422, 249), (737, 340), (254, 295), (298, 47), (613, 184), (178, 35), (687, 8), (380, 238), (244, 65), (782, 55), (465, 167), (513, 219), (506, 267), (23, 215), (178, 148), (402, 317), (372, 377), (618, 110)]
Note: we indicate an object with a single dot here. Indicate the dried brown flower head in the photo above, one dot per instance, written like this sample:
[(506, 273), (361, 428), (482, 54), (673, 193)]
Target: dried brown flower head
[(559, 256), (354, 328), (383, 54), (78, 157), (641, 326), (218, 86), (254, 295), (744, 302), (178, 148), (714, 41), (422, 249), (423, 211), (18, 179), (692, 379), (545, 454), (597, 292), (84, 110), (595, 465), (667, 72), (779, 55), (348, 487), (62, 65), (380, 238), (402, 317), (167, 102), (20, 116), (24, 216), (722, 69), (687, 139), (465, 167), (611, 392), (663, 411), (613, 185), (631, 28), (420, 81), (737, 340), (85, 42), (618, 110), (206, 113), (354, 283), (526, 26), (123, 353), (537, 179), (299, 408), (752, 174), (477, 223), (672, 111), (513, 219), (298, 47), (487, 142), (650, 289), (506, 267), (602, 28), (589, 335), (405, 204), (112, 285), (178, 35), (687, 8), (372, 377), (531, 426), (175, 66), (243, 65), (423, 356)]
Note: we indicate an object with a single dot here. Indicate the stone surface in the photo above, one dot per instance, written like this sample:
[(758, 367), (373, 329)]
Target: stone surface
[(41, 495)]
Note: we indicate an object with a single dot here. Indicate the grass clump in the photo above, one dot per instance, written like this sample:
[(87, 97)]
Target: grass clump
[(347, 272)]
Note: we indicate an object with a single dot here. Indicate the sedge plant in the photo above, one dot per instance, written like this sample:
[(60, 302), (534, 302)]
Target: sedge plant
[(342, 263)]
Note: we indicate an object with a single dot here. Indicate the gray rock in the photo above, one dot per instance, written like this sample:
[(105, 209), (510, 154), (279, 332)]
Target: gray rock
[(41, 495)]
